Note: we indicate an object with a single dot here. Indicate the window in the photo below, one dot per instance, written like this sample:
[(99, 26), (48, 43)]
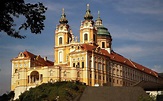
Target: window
[(113, 81), (60, 56), (64, 73), (73, 64), (82, 64), (41, 77), (78, 65), (103, 44), (95, 65), (99, 66), (94, 37), (60, 40), (16, 70), (28, 79), (51, 73), (85, 37)]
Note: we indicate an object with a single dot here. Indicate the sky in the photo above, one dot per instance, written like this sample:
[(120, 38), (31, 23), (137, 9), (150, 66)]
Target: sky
[(136, 27)]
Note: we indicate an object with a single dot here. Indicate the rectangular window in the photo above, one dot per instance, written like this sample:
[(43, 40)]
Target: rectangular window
[(28, 79), (41, 77), (82, 64), (99, 66), (73, 64), (94, 37), (85, 37), (103, 44), (78, 65)]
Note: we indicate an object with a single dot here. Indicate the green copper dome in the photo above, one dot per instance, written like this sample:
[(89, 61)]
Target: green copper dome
[(101, 30)]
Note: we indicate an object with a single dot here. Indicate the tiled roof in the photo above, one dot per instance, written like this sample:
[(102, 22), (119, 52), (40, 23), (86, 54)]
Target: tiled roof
[(88, 47), (116, 57), (119, 58), (29, 54), (40, 59)]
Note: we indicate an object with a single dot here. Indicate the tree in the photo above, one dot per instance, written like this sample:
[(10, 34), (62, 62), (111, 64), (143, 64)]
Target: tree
[(62, 91), (7, 97), (33, 13)]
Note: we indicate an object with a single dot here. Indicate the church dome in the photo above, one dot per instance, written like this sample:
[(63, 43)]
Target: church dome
[(102, 31)]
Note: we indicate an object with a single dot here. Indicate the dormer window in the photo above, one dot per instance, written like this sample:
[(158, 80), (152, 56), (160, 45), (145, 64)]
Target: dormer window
[(85, 37)]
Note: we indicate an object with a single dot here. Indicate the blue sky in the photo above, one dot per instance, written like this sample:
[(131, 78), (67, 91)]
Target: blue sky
[(136, 27)]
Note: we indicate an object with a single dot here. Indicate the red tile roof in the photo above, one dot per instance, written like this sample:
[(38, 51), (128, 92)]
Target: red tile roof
[(88, 47), (119, 58), (40, 59), (116, 57)]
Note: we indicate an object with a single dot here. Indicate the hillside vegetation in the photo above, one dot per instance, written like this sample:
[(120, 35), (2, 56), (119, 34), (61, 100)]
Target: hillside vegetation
[(59, 91)]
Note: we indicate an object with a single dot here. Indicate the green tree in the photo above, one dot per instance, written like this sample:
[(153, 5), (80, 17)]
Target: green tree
[(64, 91), (33, 13)]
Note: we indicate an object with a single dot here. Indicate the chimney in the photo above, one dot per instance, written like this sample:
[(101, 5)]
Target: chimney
[(109, 50), (45, 58)]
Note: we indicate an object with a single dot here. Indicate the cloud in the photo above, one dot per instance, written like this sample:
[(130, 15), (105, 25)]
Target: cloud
[(140, 6), (157, 68), (125, 33)]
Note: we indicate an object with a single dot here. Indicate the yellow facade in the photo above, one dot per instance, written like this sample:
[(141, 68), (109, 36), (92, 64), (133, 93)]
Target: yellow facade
[(90, 60)]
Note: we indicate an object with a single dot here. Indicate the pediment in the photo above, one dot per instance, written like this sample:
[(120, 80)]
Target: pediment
[(21, 55)]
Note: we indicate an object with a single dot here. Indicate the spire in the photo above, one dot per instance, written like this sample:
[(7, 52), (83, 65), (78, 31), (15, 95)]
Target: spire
[(98, 21), (98, 15), (88, 15), (63, 17)]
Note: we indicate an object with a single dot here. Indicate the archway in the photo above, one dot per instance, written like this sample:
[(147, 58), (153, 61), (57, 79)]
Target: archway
[(34, 76)]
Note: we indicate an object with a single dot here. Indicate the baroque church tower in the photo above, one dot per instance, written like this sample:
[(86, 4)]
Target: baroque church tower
[(104, 39), (63, 36), (88, 32)]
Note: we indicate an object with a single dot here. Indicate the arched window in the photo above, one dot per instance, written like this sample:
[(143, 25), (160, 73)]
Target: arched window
[(85, 37), (60, 40), (16, 70), (34, 76)]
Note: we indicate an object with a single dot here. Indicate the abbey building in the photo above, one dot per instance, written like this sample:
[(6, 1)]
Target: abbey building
[(89, 59)]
